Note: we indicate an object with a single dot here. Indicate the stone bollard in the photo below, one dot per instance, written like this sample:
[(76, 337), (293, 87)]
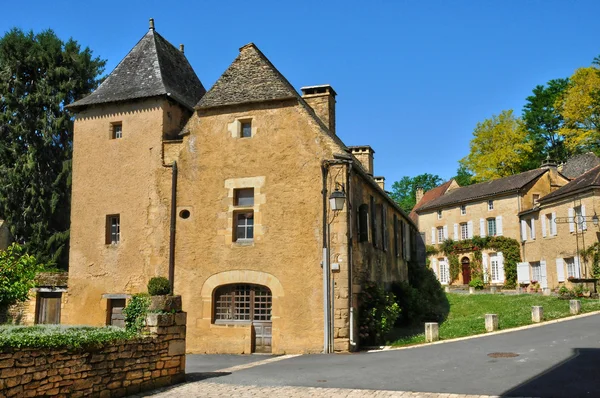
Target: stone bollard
[(447, 289), (546, 291), (575, 306), (432, 332), (493, 289), (491, 322), (471, 290), (537, 313)]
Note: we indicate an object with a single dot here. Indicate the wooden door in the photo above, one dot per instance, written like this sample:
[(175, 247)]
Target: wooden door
[(115, 313), (263, 336), (466, 270), (48, 308)]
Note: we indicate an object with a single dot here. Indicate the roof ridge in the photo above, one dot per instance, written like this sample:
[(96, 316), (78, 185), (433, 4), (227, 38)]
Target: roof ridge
[(160, 69)]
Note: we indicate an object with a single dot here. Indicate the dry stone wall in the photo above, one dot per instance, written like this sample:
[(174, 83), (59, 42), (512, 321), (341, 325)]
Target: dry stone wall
[(115, 370)]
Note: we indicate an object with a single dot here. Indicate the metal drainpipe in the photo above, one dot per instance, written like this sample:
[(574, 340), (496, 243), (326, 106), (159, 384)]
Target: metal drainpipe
[(325, 261), (173, 221), (349, 211)]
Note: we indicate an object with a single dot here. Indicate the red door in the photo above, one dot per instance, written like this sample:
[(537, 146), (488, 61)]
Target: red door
[(466, 270)]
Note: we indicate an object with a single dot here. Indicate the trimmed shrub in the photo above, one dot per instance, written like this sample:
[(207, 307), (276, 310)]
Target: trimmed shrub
[(159, 286), (378, 313), (60, 336), (477, 283), (136, 311)]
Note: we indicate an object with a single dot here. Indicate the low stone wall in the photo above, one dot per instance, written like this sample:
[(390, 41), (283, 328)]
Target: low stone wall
[(115, 370)]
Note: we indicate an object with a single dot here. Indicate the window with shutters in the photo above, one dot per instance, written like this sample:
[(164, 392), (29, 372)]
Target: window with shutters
[(440, 234), (403, 239), (439, 214), (531, 228), (495, 268), (571, 267), (463, 210), (444, 271), (464, 231), (536, 272), (396, 248), (242, 303), (113, 229), (491, 227), (490, 205), (373, 223), (384, 230), (551, 227), (578, 214), (363, 223)]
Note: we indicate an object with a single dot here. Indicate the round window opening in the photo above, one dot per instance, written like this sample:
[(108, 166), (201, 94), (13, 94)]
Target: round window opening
[(184, 214)]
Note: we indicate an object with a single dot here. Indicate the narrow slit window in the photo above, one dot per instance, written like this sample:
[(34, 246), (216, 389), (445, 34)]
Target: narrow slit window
[(117, 131), (246, 129), (113, 229)]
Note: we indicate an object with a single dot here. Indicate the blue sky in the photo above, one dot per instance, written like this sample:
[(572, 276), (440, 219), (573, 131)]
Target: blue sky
[(413, 77)]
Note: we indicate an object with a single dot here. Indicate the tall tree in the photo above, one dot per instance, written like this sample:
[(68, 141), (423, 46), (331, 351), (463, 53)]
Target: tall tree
[(543, 121), (499, 147), (404, 191), (580, 108), (463, 176), (39, 75)]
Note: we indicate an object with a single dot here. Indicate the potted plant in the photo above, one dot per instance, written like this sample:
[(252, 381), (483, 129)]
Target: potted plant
[(161, 297)]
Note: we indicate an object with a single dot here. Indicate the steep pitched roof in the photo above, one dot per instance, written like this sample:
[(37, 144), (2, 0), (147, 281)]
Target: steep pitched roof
[(484, 189), (154, 67), (591, 179), (428, 197), (250, 78), (579, 164)]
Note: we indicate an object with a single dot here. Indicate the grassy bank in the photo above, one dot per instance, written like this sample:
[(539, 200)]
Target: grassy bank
[(467, 315)]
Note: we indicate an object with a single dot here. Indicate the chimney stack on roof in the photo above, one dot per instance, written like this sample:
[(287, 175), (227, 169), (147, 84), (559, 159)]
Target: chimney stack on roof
[(380, 181), (364, 154), (322, 100), (151, 23), (419, 194)]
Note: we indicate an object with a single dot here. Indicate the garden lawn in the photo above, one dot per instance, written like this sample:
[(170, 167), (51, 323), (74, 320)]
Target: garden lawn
[(467, 314)]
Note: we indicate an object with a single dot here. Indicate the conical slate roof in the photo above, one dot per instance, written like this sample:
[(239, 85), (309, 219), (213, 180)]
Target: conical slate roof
[(250, 78), (153, 67)]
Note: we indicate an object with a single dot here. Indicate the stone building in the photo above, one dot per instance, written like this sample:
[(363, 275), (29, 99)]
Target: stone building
[(490, 208), (231, 192)]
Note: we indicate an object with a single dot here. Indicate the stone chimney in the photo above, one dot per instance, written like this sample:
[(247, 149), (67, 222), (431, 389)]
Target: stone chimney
[(322, 100), (549, 164), (380, 181), (364, 154), (419, 194)]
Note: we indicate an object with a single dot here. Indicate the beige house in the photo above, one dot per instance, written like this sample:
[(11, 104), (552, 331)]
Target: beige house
[(491, 208), (267, 224)]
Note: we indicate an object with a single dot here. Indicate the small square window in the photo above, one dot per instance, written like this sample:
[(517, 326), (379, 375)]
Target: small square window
[(246, 129), (439, 213), (536, 199), (244, 197), (117, 130), (113, 229), (463, 210), (490, 205), (244, 226)]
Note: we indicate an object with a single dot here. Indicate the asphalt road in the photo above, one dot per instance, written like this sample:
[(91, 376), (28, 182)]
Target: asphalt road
[(557, 360)]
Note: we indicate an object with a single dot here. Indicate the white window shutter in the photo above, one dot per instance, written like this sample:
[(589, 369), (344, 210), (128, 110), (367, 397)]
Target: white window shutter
[(499, 225), (553, 224), (455, 231), (445, 232), (433, 235), (543, 225), (560, 270), (523, 273), (470, 229), (571, 221), (544, 276), (577, 270), (434, 267), (523, 230), (583, 215), (532, 228), (500, 267), (484, 266), (482, 227)]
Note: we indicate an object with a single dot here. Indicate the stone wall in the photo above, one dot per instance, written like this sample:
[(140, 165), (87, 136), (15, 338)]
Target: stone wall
[(115, 370)]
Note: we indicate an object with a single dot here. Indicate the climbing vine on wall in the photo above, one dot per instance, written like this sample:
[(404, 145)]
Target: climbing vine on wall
[(509, 247)]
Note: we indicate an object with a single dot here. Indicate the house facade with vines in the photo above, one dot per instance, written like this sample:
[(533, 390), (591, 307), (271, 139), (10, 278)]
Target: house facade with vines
[(473, 233)]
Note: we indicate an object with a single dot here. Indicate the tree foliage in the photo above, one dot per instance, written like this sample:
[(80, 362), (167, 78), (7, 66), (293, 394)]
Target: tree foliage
[(17, 275), (499, 147), (404, 191), (543, 121), (580, 108), (39, 75), (463, 176)]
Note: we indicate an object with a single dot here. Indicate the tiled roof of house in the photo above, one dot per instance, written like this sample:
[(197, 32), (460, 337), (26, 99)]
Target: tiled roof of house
[(428, 197), (590, 179), (154, 67), (484, 189), (250, 78), (579, 164)]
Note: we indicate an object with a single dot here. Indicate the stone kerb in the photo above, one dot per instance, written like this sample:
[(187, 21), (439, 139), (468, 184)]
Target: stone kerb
[(115, 370)]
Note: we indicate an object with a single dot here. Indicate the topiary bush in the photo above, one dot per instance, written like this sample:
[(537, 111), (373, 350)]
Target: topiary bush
[(135, 312), (159, 286), (377, 314)]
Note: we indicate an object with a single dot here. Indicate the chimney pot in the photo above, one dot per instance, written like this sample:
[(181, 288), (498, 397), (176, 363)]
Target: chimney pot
[(181, 48), (419, 194), (151, 23)]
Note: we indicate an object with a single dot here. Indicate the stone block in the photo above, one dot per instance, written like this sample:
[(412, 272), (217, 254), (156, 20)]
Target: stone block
[(432, 331), (160, 319), (493, 289), (7, 363), (537, 313), (575, 306), (181, 318), (165, 303), (491, 322), (471, 290), (176, 347), (447, 289)]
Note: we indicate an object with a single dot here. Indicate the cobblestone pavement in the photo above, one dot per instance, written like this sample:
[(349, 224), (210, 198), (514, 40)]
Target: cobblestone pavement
[(207, 389)]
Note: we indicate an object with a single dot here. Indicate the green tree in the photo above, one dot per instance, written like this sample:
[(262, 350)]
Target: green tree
[(39, 75), (17, 275), (404, 191), (542, 121), (499, 147), (463, 176)]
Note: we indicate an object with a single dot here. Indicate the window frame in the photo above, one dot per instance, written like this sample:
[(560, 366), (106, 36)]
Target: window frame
[(114, 133), (225, 296), (363, 223), (373, 220), (246, 227), (109, 229), (490, 204), (244, 122), (570, 264), (463, 210), (464, 230), (236, 197), (489, 222), (536, 271), (439, 214), (440, 234)]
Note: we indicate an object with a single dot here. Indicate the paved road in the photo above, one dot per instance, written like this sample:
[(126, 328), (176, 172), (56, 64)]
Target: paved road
[(557, 360)]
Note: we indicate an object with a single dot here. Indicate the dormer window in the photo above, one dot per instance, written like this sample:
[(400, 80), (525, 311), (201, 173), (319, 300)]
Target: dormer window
[(116, 130), (246, 129)]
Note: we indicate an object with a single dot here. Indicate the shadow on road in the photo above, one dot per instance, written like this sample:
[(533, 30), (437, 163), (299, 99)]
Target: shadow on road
[(199, 376), (574, 377)]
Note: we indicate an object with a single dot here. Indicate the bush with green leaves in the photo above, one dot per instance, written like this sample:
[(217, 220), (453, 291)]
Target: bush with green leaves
[(135, 312), (377, 315), (159, 286), (17, 275), (60, 336), (477, 283)]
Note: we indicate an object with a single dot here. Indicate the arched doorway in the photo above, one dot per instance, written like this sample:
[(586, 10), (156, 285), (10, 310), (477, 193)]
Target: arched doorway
[(466, 270), (246, 303)]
